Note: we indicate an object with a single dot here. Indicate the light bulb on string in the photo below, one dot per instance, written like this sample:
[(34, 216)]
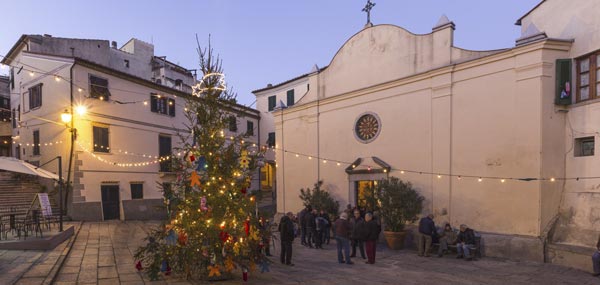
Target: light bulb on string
[(480, 179)]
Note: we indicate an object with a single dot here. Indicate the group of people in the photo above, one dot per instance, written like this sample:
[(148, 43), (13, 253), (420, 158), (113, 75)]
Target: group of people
[(352, 229), (429, 234), (359, 232), (315, 227)]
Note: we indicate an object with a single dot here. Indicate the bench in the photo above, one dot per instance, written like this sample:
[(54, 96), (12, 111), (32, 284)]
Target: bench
[(475, 248)]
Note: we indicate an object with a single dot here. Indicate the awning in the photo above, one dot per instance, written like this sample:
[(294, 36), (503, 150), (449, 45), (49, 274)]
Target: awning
[(14, 165)]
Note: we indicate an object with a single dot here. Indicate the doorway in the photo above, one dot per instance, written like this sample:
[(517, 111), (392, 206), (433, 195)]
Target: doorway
[(364, 194), (110, 202)]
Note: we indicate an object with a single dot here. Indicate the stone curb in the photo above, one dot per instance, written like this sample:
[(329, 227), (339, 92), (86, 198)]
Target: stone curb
[(61, 259)]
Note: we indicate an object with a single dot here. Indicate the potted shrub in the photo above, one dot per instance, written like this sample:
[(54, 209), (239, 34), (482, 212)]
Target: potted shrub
[(398, 204)]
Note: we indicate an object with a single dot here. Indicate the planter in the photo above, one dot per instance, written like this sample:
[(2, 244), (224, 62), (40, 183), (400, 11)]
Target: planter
[(395, 240)]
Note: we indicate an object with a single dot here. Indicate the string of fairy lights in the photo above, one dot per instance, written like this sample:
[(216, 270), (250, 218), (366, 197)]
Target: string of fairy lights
[(153, 159)]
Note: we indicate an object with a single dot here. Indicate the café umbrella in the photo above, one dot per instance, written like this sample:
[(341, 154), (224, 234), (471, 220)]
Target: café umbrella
[(12, 164)]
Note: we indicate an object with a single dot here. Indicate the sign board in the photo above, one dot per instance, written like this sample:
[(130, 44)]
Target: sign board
[(45, 204)]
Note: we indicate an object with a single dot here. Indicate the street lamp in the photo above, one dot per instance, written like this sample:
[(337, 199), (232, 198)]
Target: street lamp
[(66, 117)]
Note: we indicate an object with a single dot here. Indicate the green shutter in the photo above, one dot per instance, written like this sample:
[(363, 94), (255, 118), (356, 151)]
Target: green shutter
[(564, 86), (290, 98), (272, 102)]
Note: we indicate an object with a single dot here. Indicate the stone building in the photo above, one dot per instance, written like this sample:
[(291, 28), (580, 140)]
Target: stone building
[(487, 137), (135, 108)]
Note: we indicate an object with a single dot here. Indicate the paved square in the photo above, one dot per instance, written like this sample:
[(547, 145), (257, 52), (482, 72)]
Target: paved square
[(103, 254)]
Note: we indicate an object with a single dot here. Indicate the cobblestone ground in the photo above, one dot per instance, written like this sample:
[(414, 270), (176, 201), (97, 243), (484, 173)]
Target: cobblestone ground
[(103, 254)]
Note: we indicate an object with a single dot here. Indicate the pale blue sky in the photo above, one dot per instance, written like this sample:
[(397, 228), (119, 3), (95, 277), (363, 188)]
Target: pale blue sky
[(260, 41)]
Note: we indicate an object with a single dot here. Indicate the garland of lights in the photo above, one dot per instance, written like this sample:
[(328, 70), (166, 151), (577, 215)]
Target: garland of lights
[(198, 89)]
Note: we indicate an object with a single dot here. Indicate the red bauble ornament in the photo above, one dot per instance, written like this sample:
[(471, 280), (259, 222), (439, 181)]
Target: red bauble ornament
[(139, 266), (247, 227), (244, 190), (224, 236), (192, 158)]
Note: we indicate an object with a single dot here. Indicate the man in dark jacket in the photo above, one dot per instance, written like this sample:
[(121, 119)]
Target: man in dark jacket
[(342, 236), (426, 232), (372, 230), (355, 222), (301, 216), (596, 259), (309, 221), (466, 238), (286, 231)]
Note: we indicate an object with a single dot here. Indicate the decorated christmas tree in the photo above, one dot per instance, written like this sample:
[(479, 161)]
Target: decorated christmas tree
[(212, 228)]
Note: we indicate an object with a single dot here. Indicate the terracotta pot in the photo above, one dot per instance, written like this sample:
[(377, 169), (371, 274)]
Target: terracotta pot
[(395, 240)]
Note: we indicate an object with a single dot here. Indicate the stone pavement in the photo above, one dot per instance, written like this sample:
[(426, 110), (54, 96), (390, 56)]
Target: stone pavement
[(33, 266), (103, 254)]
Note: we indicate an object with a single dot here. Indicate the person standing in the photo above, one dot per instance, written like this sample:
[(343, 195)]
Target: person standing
[(342, 236), (372, 234), (286, 230), (327, 229), (596, 259), (309, 220), (301, 217), (426, 233), (465, 240), (321, 223), (355, 223)]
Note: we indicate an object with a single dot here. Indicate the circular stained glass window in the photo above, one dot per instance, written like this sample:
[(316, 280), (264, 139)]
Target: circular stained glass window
[(367, 127)]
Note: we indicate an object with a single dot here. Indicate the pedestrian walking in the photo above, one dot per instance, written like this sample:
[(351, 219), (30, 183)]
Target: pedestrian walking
[(301, 217), (309, 220)]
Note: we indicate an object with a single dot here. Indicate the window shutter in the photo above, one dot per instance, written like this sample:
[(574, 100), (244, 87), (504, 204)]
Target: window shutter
[(272, 102), (153, 103), (172, 107), (563, 82), (290, 98)]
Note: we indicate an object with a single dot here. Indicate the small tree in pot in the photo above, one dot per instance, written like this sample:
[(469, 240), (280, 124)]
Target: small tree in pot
[(398, 204)]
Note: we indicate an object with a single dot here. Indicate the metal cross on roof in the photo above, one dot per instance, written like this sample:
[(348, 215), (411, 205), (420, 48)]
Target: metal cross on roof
[(367, 9)]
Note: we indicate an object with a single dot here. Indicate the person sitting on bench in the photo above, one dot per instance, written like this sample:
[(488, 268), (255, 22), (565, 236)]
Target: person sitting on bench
[(447, 236), (466, 239)]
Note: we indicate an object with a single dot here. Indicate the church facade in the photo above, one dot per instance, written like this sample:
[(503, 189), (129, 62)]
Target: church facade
[(497, 140)]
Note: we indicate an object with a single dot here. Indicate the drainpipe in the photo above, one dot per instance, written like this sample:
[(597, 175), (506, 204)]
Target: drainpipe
[(72, 130)]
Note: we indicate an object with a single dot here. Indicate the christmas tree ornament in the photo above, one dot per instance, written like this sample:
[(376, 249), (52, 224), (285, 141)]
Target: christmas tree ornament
[(214, 271), (229, 265), (244, 160), (192, 158), (244, 190), (224, 236), (245, 274), (264, 266), (194, 179), (203, 206), (247, 227), (138, 265), (171, 238), (183, 238)]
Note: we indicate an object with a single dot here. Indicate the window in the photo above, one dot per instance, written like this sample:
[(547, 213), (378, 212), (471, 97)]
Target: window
[(126, 63), (588, 77), (18, 152), (307, 87), (36, 142), (99, 88), (101, 139), (14, 118), (249, 128), (272, 102), (164, 151), (584, 146), (232, 123), (271, 140), (35, 97), (162, 105), (290, 98), (563, 82), (137, 190)]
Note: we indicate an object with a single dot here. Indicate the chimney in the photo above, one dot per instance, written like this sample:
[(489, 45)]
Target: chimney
[(114, 44), (47, 35)]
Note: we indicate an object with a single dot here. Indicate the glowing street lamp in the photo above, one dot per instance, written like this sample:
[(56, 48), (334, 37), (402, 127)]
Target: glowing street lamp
[(66, 117)]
